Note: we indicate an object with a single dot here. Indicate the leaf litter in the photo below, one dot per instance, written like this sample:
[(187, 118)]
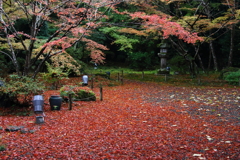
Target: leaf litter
[(134, 121)]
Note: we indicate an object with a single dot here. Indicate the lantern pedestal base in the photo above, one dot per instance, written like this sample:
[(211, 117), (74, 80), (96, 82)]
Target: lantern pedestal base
[(39, 119)]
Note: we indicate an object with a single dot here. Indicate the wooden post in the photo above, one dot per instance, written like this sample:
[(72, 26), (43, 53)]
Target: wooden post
[(199, 80), (239, 81), (70, 101), (101, 93), (118, 77), (92, 83), (165, 77), (121, 80), (142, 74)]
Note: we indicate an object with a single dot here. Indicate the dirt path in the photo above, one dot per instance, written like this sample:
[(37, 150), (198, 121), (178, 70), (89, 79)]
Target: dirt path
[(223, 103)]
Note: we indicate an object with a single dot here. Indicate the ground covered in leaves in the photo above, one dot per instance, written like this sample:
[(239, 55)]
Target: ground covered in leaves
[(136, 120)]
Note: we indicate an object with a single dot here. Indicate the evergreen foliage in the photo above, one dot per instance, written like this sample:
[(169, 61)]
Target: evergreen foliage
[(233, 77), (142, 60), (179, 64), (44, 30), (22, 24)]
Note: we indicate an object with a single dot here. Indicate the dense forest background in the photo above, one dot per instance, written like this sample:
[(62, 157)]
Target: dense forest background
[(133, 41)]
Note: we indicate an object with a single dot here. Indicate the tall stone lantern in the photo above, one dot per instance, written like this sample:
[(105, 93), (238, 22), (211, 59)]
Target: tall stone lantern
[(163, 58)]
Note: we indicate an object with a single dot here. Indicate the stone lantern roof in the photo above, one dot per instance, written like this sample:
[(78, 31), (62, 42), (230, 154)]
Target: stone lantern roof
[(164, 45)]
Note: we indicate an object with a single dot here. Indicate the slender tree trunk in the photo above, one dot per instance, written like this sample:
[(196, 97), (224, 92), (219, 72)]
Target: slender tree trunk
[(201, 63), (11, 55), (207, 10), (230, 57), (209, 60), (192, 67), (199, 58), (213, 56)]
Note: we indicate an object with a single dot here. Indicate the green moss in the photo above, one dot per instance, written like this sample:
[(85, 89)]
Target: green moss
[(84, 95), (78, 93)]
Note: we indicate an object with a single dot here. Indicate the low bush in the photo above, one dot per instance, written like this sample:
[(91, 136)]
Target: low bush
[(226, 72), (2, 147), (19, 91), (79, 93), (233, 77)]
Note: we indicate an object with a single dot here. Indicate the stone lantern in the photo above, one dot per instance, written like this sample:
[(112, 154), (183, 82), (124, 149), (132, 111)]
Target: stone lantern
[(163, 58)]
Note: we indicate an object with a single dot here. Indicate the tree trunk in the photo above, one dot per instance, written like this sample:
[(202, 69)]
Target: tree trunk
[(12, 54), (201, 63), (36, 23), (231, 46), (199, 58), (213, 56), (209, 60), (193, 68)]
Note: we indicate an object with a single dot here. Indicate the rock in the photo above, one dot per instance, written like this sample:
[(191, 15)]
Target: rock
[(39, 119), (31, 131), (13, 128), (24, 130)]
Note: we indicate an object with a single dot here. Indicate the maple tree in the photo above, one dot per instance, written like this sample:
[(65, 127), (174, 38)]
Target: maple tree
[(73, 21)]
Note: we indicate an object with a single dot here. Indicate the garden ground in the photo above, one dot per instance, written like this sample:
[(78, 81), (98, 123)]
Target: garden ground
[(137, 120)]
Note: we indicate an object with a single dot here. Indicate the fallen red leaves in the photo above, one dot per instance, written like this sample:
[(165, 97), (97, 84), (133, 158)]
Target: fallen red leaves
[(134, 121)]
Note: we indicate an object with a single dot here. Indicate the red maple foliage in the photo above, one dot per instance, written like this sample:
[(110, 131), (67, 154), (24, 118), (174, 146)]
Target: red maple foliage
[(134, 121), (167, 27)]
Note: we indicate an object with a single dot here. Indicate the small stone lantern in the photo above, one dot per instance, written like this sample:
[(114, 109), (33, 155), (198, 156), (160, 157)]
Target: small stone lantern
[(163, 58), (38, 102)]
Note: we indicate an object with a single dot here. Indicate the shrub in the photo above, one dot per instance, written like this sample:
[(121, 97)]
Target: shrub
[(18, 91), (227, 71), (233, 77), (4, 69), (179, 64), (2, 147), (79, 93)]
